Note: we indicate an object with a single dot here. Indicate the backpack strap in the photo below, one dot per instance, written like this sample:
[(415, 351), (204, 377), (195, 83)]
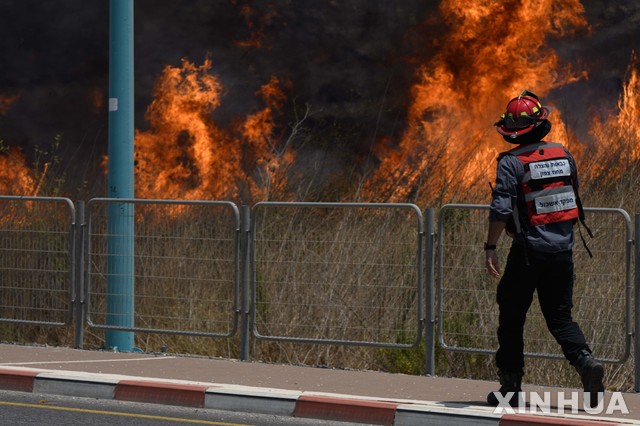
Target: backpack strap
[(582, 221)]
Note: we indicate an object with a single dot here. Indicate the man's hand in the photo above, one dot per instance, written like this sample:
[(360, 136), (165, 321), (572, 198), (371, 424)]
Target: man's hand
[(491, 263), (495, 230)]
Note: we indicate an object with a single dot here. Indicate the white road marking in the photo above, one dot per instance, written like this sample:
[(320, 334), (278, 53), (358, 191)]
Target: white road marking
[(86, 361)]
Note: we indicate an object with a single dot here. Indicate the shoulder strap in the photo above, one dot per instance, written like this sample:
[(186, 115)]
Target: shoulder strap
[(581, 218), (582, 221)]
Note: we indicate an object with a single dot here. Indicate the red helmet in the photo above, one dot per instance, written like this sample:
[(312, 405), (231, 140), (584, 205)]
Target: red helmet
[(523, 114)]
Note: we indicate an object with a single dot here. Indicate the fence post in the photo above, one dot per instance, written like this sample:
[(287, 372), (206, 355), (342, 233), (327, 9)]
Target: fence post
[(78, 274), (430, 308), (636, 336), (244, 279)]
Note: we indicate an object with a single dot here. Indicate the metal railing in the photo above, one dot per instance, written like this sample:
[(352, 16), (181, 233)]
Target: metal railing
[(467, 311), (36, 260), (185, 263), (331, 273), (339, 273)]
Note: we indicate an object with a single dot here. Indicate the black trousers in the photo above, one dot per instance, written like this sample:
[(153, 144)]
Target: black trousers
[(551, 274)]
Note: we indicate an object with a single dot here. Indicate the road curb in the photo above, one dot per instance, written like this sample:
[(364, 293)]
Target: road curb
[(17, 380), (275, 401), (160, 393), (345, 409)]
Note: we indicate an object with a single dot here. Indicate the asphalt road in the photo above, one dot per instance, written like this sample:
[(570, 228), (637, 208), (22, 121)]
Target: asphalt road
[(18, 408)]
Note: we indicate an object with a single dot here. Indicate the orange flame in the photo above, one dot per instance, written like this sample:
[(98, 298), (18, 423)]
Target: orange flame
[(184, 155), (618, 136), (492, 51), (267, 158), (629, 107), (15, 176)]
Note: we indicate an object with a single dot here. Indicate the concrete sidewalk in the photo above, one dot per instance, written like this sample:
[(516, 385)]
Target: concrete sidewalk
[(345, 395)]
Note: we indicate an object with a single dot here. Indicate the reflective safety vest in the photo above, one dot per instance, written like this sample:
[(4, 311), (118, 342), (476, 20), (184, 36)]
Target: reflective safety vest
[(547, 184)]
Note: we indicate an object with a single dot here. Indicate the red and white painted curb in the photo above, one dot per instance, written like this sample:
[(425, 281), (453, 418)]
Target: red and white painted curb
[(316, 405)]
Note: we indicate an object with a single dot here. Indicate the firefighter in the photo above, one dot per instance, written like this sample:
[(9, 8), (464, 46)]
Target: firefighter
[(535, 201)]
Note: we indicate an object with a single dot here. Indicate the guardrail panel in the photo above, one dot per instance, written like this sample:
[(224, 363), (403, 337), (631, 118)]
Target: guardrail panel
[(36, 249), (338, 273), (185, 266)]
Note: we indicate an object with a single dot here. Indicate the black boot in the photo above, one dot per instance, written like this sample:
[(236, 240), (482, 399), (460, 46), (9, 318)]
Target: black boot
[(510, 381), (591, 373)]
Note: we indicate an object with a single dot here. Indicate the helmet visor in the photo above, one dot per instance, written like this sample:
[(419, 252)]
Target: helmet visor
[(520, 122)]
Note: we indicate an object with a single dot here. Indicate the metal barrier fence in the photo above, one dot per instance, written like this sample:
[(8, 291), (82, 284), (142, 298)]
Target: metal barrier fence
[(467, 310), (335, 273), (185, 263), (340, 273), (36, 260)]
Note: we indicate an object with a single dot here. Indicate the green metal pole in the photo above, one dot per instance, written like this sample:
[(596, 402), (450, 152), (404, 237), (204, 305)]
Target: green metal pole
[(120, 285)]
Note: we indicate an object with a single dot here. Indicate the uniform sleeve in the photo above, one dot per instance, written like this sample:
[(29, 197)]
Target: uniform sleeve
[(505, 192)]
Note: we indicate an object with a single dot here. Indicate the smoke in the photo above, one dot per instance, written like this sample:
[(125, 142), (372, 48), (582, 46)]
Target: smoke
[(54, 59), (353, 62), (605, 52)]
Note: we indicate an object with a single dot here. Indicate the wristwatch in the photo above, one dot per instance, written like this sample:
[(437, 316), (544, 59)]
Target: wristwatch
[(489, 246)]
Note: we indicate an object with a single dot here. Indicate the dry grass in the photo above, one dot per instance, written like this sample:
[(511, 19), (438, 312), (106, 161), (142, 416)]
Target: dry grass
[(347, 275)]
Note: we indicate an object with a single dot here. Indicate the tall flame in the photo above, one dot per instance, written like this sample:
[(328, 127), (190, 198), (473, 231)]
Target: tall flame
[(15, 177), (491, 52), (185, 155), (629, 107), (617, 137), (183, 150)]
